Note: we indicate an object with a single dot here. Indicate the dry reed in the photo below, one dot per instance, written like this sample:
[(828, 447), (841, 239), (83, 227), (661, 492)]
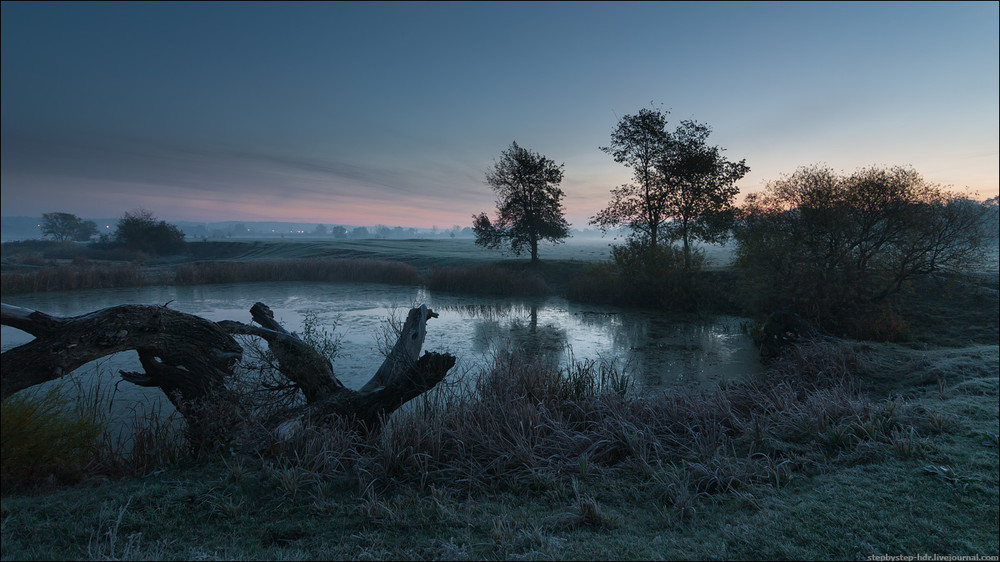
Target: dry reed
[(370, 271), (487, 280), (73, 277)]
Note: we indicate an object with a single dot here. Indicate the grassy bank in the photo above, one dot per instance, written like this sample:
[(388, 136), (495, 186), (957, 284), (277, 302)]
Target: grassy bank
[(449, 266), (72, 277), (822, 457)]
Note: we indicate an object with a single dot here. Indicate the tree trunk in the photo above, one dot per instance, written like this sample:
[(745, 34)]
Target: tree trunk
[(190, 359), (687, 246)]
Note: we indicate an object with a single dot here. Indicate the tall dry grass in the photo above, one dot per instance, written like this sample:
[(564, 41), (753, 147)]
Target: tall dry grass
[(82, 275), (522, 426), (487, 280), (65, 434), (370, 271), (43, 439)]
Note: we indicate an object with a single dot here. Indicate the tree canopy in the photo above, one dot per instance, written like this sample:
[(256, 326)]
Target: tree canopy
[(139, 230), (66, 226), (529, 203), (834, 242), (700, 187), (638, 141), (684, 188)]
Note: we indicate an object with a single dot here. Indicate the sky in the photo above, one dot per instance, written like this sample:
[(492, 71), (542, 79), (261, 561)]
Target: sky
[(391, 113)]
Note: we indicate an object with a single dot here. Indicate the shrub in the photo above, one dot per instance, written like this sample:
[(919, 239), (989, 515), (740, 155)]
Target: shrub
[(599, 284), (139, 231), (656, 276), (834, 248)]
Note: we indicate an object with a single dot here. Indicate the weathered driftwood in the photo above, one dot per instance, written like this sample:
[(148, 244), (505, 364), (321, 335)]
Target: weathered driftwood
[(298, 362), (191, 358), (181, 353), (406, 351), (402, 376)]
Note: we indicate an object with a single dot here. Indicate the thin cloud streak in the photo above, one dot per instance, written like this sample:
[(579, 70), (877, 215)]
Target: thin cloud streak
[(312, 190)]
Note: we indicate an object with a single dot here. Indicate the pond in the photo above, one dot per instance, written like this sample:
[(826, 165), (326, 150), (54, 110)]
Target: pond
[(657, 350)]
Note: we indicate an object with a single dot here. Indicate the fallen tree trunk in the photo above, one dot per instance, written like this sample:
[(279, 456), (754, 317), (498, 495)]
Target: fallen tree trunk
[(181, 353), (191, 359)]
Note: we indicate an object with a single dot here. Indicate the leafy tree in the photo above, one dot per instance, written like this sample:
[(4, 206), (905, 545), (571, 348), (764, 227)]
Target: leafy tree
[(638, 142), (66, 226), (320, 230), (359, 232), (138, 230), (699, 187), (339, 232), (831, 246), (684, 189), (86, 231), (529, 203)]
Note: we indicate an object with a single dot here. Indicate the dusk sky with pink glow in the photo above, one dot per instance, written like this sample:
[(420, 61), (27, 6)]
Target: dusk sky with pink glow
[(390, 113)]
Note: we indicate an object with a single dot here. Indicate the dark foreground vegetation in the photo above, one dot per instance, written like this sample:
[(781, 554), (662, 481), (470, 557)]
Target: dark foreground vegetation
[(839, 450)]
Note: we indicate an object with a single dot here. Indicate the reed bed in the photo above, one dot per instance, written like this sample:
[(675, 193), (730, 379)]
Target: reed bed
[(79, 276), (368, 271), (487, 280)]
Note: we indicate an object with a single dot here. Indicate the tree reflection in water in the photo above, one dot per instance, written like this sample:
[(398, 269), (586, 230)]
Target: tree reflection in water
[(514, 328)]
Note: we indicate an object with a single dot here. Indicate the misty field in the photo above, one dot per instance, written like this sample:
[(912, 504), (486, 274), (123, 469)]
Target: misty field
[(842, 449)]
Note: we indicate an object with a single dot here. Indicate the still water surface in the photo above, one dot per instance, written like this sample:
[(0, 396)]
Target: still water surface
[(657, 350)]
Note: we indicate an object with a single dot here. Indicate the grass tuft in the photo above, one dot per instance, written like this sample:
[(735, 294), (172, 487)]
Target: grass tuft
[(45, 439), (51, 438)]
